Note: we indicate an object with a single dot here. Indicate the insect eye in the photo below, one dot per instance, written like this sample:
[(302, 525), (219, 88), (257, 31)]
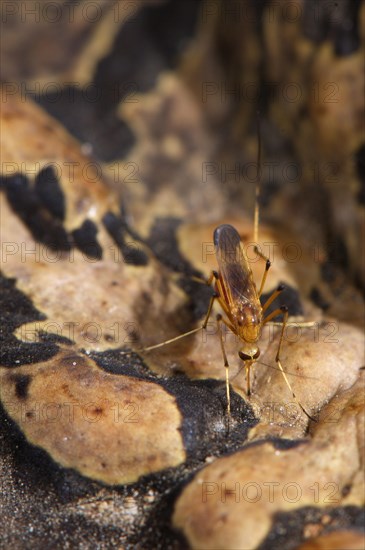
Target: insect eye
[(246, 357)]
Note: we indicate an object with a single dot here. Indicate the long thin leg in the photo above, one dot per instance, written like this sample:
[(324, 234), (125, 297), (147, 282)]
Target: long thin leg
[(264, 276), (284, 310), (166, 342), (208, 282), (226, 364), (273, 297), (275, 313), (247, 363), (298, 324), (203, 327), (248, 377)]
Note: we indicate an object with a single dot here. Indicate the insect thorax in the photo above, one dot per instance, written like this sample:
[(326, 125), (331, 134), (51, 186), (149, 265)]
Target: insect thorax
[(248, 321)]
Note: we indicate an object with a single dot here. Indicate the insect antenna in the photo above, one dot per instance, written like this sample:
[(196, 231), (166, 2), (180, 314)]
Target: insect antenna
[(258, 181), (301, 376)]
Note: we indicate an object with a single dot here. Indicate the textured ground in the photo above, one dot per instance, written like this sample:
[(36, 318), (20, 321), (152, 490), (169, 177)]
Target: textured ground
[(128, 133)]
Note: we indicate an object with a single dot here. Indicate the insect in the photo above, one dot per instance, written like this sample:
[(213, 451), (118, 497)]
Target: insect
[(239, 299), (236, 293)]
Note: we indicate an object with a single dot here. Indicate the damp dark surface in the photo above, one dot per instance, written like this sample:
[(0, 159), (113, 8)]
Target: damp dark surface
[(86, 240), (22, 382), (164, 244), (163, 241), (118, 231), (317, 298), (33, 206), (289, 297), (288, 528), (48, 189), (110, 137), (206, 428), (16, 310)]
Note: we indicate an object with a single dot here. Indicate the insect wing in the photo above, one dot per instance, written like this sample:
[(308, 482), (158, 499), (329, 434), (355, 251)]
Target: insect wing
[(233, 265)]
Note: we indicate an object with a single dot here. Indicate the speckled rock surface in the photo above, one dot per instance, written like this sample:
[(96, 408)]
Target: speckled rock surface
[(108, 206)]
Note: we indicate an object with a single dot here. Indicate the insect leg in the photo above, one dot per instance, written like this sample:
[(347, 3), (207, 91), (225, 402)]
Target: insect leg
[(200, 280), (284, 310), (246, 362), (213, 275), (166, 342), (267, 267), (203, 327), (226, 364), (248, 366), (270, 300)]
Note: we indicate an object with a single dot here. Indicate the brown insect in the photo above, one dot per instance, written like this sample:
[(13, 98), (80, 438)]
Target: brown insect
[(237, 294), (239, 299)]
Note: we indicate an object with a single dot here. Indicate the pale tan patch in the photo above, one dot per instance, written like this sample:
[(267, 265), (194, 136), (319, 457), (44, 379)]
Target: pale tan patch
[(95, 422), (231, 503)]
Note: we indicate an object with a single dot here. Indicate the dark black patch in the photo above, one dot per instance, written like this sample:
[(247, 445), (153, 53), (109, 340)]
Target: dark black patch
[(328, 272), (163, 242), (317, 298), (346, 30), (337, 253), (199, 295), (345, 490), (289, 297), (86, 241), (335, 21), (287, 444), (48, 189), (22, 382), (360, 167), (122, 361), (25, 202), (117, 229), (35, 468), (288, 528), (148, 43), (53, 338), (16, 310), (202, 403), (15, 353), (79, 111)]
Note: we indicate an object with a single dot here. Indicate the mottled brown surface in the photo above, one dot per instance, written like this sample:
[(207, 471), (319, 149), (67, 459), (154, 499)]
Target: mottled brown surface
[(229, 519), (95, 422), (140, 193)]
